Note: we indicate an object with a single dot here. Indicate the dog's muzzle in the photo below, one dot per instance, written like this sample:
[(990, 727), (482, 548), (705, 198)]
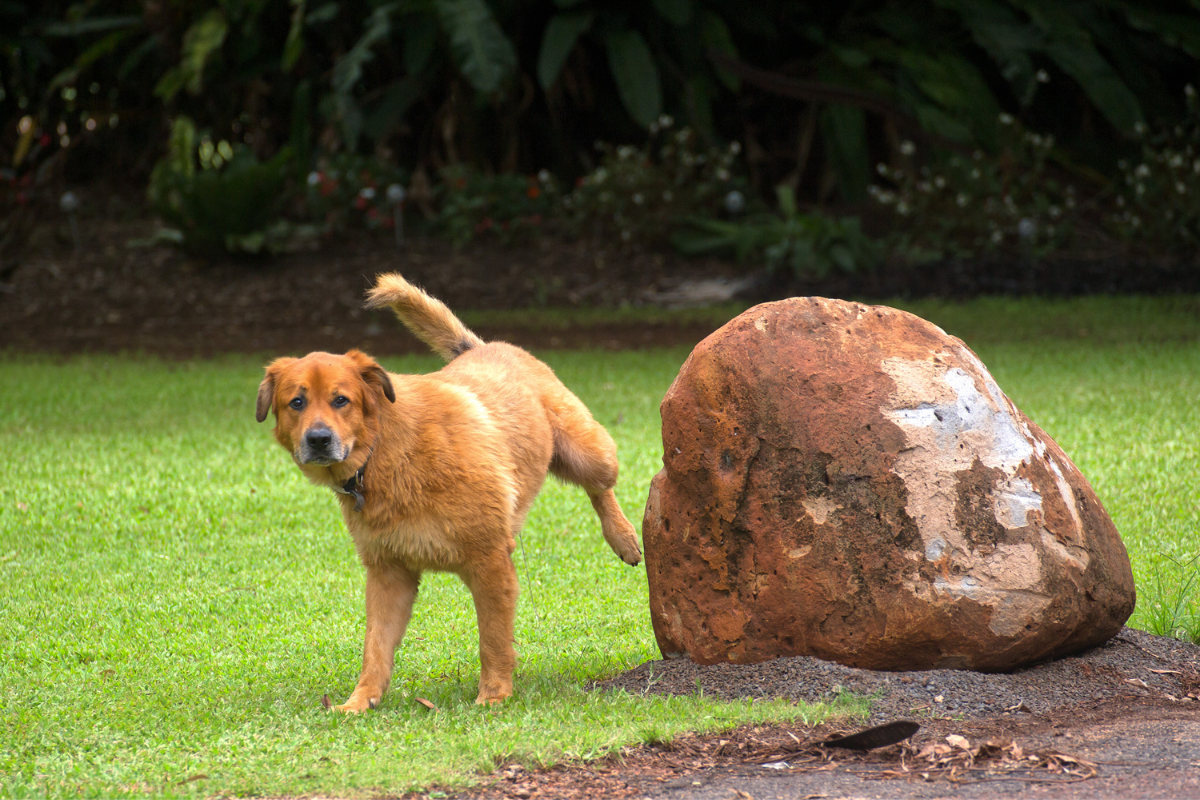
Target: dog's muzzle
[(321, 446)]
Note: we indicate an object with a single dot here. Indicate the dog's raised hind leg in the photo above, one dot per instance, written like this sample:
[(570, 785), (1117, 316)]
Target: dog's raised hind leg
[(391, 591), (617, 529)]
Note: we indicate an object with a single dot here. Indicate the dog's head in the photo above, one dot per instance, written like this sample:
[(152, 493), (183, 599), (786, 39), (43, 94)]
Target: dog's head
[(324, 403)]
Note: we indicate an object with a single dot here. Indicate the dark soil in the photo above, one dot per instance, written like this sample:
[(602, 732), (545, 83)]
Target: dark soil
[(1121, 720), (105, 296)]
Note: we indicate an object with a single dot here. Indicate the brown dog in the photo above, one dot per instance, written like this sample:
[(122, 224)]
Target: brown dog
[(437, 472)]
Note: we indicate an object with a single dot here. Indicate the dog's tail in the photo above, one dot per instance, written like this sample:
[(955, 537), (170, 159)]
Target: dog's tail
[(429, 319)]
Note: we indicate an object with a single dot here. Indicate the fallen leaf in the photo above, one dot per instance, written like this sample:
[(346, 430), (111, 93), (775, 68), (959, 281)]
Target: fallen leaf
[(1166, 672), (427, 704), (325, 701), (22, 507), (961, 742)]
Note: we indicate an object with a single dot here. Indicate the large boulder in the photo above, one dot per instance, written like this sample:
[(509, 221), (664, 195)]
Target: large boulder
[(848, 482)]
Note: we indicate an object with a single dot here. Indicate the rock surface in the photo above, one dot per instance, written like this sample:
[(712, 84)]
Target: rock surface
[(848, 482)]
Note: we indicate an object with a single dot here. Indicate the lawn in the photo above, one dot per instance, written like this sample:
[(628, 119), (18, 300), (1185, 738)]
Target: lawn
[(177, 599)]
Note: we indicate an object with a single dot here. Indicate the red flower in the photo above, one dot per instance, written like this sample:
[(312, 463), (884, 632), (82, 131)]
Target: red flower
[(360, 202), (533, 191), (327, 187), (45, 140), (372, 213)]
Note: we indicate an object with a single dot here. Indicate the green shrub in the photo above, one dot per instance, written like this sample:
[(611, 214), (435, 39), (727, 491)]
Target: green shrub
[(643, 192), (960, 206), (509, 207), (1159, 199), (351, 191), (808, 245), (230, 203)]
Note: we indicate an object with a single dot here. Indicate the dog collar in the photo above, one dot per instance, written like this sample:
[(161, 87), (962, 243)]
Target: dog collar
[(354, 486)]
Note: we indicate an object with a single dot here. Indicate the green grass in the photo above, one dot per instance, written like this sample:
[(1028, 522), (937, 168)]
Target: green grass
[(176, 599)]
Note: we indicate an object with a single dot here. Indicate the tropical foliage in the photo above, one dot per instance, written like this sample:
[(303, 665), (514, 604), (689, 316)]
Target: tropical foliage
[(528, 84)]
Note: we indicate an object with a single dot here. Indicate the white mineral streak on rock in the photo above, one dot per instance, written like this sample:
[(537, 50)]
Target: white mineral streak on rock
[(945, 434)]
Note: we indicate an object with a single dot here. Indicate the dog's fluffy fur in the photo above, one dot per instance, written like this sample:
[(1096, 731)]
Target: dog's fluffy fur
[(453, 462)]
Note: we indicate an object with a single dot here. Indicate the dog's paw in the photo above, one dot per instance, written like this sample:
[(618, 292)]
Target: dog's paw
[(357, 704), (493, 695), (627, 548)]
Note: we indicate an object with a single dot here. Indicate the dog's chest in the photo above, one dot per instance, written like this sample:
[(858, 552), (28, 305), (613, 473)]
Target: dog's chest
[(421, 544)]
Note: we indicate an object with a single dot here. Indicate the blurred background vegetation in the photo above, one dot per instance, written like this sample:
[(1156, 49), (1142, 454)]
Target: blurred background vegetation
[(765, 130)]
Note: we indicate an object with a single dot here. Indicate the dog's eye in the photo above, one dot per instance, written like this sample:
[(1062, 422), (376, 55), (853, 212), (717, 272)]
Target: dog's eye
[(341, 400), (297, 403)]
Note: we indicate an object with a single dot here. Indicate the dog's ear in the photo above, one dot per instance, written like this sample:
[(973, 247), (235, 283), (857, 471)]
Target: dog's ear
[(266, 389), (373, 374)]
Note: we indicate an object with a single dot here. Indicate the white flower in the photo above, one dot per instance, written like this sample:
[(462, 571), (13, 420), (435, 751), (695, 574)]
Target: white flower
[(907, 148), (735, 203), (902, 208), (939, 182), (367, 193), (1054, 211), (976, 174), (961, 200), (314, 178), (666, 121), (599, 175), (638, 199), (1006, 119), (543, 176), (722, 174), (395, 194), (1175, 161), (624, 152), (735, 147), (1026, 228), (1142, 171), (1043, 76), (1189, 90), (997, 237), (1179, 187)]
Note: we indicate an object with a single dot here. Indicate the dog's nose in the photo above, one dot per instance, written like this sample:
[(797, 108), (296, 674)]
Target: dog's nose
[(319, 438)]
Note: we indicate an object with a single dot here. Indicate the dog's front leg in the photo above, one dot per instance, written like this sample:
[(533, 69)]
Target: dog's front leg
[(493, 584), (391, 590)]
